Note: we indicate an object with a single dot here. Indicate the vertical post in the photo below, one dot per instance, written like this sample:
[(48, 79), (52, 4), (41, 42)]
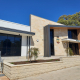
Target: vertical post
[(1, 63), (0, 56), (29, 49), (68, 48)]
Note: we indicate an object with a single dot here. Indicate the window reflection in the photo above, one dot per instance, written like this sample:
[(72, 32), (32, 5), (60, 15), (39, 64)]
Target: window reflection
[(10, 45)]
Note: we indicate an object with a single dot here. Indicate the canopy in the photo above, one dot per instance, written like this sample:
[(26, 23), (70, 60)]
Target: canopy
[(71, 40), (14, 31)]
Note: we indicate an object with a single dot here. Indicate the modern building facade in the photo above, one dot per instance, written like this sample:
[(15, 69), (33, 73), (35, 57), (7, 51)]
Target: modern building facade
[(51, 38), (14, 39), (54, 38)]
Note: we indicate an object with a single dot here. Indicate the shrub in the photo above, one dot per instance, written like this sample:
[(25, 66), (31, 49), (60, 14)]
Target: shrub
[(33, 53), (70, 51)]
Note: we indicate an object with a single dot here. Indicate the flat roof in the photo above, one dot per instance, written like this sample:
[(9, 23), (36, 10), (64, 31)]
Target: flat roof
[(65, 26), (15, 30)]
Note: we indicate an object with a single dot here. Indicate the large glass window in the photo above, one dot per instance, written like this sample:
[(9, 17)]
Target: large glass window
[(72, 34), (10, 45), (74, 46)]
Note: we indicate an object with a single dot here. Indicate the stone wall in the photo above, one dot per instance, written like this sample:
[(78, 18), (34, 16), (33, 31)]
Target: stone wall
[(59, 48), (37, 25), (15, 72)]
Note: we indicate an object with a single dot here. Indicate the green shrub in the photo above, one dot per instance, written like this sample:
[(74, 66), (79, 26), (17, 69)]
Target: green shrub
[(33, 53), (70, 51)]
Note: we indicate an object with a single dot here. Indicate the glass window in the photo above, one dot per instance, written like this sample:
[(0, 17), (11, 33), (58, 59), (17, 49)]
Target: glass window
[(10, 45), (72, 34), (3, 36)]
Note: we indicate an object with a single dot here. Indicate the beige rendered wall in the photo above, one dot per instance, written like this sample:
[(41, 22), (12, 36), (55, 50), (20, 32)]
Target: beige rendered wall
[(37, 25)]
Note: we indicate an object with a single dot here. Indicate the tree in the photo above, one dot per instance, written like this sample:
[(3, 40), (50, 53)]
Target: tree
[(71, 20)]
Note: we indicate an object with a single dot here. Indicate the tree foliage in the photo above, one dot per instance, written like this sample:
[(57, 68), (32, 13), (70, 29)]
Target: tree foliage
[(71, 20)]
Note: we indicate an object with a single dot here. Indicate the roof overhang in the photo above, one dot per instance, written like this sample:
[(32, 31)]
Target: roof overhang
[(63, 26), (15, 31), (71, 40)]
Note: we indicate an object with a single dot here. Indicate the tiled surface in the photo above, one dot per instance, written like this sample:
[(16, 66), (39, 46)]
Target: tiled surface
[(3, 77)]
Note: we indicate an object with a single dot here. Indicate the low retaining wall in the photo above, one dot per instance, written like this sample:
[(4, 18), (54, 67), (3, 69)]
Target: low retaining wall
[(14, 72)]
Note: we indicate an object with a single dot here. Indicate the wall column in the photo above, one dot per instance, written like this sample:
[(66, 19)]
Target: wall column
[(24, 46), (78, 37), (47, 47)]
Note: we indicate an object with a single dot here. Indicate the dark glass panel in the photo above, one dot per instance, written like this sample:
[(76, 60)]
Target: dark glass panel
[(3, 36), (1, 44), (52, 41), (17, 41), (72, 34), (10, 45), (74, 46), (11, 38)]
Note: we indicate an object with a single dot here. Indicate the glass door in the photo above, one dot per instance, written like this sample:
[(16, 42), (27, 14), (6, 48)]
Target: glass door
[(52, 41)]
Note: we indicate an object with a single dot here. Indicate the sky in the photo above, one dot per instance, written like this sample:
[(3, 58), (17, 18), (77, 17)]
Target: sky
[(19, 10)]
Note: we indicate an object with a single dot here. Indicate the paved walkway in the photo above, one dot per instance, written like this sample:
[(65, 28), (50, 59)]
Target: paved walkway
[(3, 77), (72, 73)]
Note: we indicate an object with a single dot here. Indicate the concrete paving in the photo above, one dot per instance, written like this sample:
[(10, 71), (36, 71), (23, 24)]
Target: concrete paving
[(72, 73), (3, 77)]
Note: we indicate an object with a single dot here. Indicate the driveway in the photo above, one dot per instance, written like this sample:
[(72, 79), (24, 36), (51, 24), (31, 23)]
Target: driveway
[(72, 73)]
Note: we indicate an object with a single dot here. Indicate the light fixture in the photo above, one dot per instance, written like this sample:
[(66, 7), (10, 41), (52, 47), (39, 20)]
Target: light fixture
[(37, 40)]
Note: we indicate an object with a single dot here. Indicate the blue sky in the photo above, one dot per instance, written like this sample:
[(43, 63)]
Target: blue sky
[(19, 10)]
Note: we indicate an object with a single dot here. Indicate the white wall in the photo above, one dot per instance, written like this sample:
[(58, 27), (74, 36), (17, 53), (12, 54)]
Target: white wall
[(24, 46), (12, 25)]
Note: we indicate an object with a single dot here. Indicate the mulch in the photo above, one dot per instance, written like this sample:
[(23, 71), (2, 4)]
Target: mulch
[(33, 61)]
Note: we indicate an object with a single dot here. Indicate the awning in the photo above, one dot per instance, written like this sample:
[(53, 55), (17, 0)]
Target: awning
[(71, 40), (14, 31)]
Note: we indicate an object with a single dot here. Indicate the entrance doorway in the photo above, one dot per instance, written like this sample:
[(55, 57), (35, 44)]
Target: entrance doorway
[(74, 47), (72, 34), (52, 41)]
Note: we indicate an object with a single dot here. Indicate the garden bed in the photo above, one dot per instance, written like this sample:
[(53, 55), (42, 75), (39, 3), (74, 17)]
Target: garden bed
[(19, 71), (33, 61)]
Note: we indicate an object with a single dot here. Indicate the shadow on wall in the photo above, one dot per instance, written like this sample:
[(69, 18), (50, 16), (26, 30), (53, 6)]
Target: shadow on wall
[(64, 44), (32, 42)]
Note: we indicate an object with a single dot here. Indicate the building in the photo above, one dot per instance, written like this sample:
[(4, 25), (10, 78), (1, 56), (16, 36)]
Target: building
[(53, 38), (14, 38), (50, 37)]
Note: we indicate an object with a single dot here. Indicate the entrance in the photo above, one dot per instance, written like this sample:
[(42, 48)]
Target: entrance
[(10, 45), (72, 34), (52, 41), (74, 47)]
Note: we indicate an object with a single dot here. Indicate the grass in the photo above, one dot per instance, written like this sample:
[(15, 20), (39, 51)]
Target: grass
[(12, 63)]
